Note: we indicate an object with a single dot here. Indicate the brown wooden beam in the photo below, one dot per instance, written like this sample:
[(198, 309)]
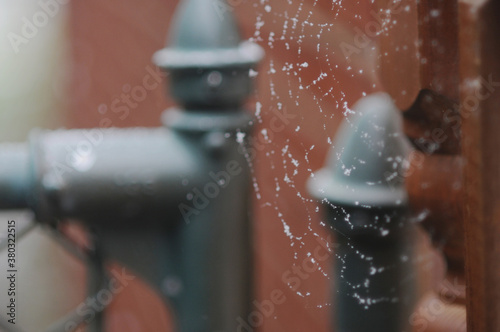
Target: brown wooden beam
[(480, 102)]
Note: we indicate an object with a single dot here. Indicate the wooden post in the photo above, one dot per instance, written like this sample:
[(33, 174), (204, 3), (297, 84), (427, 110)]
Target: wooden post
[(480, 113)]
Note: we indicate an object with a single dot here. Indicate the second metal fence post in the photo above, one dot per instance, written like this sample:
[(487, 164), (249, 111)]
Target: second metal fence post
[(366, 203)]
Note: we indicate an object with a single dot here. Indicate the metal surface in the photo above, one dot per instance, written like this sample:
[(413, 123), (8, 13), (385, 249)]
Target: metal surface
[(170, 203), (13, 176), (367, 159), (366, 209), (207, 61)]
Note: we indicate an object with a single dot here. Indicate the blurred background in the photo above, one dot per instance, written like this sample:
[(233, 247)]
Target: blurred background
[(68, 70)]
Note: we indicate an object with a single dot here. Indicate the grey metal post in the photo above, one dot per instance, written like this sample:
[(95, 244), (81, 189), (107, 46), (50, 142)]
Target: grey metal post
[(170, 203), (366, 205)]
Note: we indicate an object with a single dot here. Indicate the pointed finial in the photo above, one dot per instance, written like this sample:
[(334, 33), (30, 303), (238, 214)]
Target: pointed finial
[(366, 163), (208, 63)]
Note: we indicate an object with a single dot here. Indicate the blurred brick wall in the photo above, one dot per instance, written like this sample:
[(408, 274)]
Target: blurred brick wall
[(112, 45)]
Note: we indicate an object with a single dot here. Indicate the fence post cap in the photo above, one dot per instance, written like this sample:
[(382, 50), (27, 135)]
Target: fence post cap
[(209, 66), (366, 165)]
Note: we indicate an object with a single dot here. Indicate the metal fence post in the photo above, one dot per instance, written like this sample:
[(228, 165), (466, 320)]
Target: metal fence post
[(169, 203), (366, 204)]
